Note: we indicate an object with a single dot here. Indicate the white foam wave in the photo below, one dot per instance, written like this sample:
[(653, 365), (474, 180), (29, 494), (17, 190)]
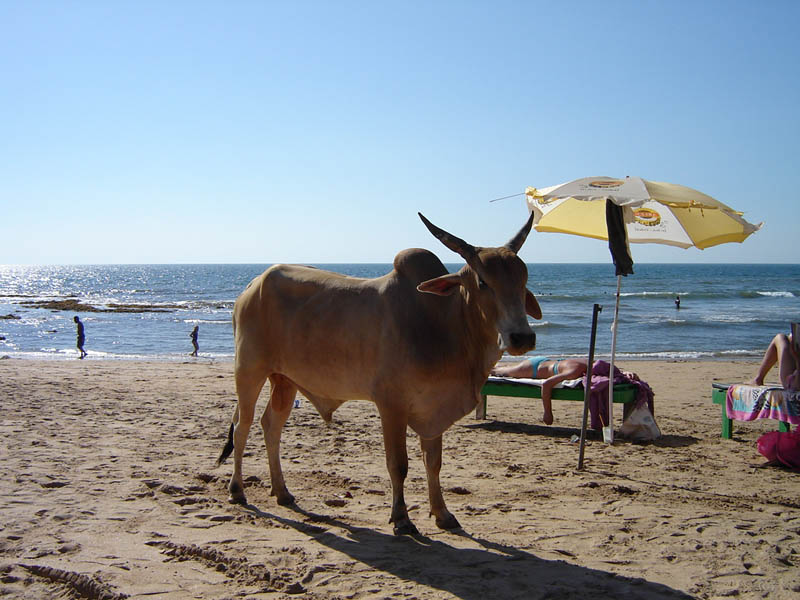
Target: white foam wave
[(722, 318), (59, 354), (207, 321)]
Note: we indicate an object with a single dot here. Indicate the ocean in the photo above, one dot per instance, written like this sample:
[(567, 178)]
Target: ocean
[(146, 312)]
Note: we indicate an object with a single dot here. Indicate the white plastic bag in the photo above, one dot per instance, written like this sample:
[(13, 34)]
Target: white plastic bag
[(640, 425)]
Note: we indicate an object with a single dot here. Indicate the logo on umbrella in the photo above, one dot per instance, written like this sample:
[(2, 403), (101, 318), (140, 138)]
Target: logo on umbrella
[(646, 217), (606, 183)]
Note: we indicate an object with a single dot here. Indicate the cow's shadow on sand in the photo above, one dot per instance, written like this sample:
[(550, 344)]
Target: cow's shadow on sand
[(492, 570)]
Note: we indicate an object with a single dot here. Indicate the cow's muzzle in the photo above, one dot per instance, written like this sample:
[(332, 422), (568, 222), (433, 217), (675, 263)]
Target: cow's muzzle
[(520, 343)]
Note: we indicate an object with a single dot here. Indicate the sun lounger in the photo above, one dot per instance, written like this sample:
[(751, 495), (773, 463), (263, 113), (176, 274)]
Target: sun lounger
[(532, 388), (748, 403)]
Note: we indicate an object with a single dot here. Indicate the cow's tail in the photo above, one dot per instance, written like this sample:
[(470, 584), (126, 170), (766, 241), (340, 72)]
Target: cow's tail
[(226, 451)]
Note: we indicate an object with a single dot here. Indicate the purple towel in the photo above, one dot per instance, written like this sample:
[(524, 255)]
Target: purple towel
[(598, 397)]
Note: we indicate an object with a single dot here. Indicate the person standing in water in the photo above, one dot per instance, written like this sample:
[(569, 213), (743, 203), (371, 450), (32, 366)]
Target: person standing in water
[(193, 335), (81, 337), (677, 301)]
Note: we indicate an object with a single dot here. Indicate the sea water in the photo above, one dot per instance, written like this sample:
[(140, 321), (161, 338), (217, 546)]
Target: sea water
[(727, 311)]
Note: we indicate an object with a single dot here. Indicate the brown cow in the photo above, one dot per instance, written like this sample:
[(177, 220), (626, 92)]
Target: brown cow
[(422, 358)]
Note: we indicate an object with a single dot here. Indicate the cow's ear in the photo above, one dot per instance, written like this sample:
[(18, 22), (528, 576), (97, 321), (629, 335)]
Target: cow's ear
[(532, 305), (441, 286)]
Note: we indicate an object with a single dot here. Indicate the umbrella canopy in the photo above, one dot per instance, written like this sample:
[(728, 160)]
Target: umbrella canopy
[(639, 211), (653, 212)]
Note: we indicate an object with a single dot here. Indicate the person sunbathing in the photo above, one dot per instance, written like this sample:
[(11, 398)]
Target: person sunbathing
[(552, 371), (781, 350)]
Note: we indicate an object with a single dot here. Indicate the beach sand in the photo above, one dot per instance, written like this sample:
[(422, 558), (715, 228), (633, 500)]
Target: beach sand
[(110, 490)]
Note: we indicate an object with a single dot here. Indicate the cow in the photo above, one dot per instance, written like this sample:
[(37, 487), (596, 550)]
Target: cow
[(418, 342)]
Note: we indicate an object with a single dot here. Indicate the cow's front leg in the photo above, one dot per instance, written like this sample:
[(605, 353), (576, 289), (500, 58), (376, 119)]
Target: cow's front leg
[(394, 440), (432, 457), (272, 422)]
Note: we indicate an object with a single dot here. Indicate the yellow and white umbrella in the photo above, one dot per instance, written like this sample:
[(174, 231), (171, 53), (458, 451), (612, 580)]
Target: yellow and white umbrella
[(634, 210), (653, 212)]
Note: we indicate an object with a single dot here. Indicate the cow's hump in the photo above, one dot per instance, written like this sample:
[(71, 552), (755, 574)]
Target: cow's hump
[(418, 265)]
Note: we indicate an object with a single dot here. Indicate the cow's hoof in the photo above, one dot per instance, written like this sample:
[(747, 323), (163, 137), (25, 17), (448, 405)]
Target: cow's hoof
[(405, 527), (449, 522), (284, 499), (237, 499)]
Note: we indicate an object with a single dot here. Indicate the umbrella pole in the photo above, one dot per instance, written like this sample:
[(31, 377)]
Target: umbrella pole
[(608, 431), (587, 385)]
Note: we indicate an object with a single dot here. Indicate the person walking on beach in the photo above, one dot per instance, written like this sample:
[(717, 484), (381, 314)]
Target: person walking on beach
[(81, 337), (783, 351), (193, 335)]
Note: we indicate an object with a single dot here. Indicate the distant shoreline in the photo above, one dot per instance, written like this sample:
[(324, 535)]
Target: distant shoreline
[(210, 360)]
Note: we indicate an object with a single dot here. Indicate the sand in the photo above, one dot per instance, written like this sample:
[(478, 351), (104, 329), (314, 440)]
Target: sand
[(110, 490)]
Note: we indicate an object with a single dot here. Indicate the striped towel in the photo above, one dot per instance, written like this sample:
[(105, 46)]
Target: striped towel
[(750, 402)]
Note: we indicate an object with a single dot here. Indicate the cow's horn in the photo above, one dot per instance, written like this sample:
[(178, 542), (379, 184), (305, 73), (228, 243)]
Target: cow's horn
[(455, 244), (516, 242)]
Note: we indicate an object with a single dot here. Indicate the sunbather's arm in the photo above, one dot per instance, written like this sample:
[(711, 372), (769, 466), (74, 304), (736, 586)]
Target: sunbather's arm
[(522, 369), (547, 390)]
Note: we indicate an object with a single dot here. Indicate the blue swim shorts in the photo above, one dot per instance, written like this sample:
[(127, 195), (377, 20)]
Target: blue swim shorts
[(535, 362)]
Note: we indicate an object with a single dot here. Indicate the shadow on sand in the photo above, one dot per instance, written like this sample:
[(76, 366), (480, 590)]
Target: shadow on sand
[(665, 441), (490, 570)]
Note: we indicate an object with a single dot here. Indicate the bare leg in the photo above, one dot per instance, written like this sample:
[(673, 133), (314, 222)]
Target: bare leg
[(779, 342), (272, 422), (248, 387), (786, 359), (432, 457)]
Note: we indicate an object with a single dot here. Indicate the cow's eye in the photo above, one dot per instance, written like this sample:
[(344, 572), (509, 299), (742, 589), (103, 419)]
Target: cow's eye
[(482, 284)]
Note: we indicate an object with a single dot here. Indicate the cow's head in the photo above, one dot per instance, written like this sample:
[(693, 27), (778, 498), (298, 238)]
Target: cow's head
[(495, 279)]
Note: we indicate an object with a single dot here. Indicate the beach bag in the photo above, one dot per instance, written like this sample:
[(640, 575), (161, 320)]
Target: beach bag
[(640, 425), (781, 448)]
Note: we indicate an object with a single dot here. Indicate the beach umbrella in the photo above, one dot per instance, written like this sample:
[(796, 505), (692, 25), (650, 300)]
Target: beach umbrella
[(634, 210)]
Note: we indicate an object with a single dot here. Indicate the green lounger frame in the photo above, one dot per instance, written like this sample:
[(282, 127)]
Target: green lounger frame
[(719, 391), (623, 394)]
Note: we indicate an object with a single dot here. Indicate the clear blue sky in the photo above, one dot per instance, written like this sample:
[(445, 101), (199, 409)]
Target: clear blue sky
[(257, 131)]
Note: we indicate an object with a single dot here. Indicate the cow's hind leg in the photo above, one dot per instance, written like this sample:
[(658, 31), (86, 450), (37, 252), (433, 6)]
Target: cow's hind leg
[(432, 457), (394, 440), (248, 387), (272, 422)]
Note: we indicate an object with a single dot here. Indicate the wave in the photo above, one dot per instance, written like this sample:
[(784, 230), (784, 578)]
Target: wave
[(669, 295), (207, 321), (723, 293), (689, 355), (692, 355), (776, 294), (95, 355)]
